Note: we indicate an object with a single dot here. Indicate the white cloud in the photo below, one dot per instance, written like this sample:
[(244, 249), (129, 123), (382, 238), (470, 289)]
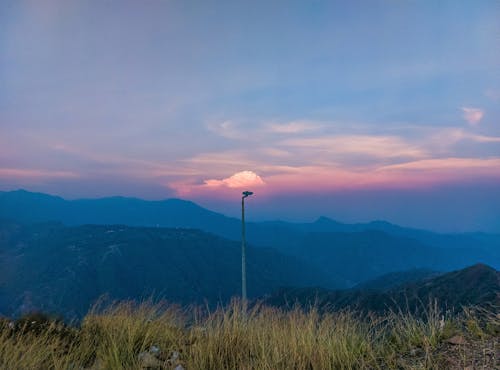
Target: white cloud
[(294, 127), (472, 115), (241, 179)]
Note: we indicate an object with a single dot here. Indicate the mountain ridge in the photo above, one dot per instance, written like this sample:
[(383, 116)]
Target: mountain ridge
[(293, 239), (476, 285), (51, 266), (321, 220)]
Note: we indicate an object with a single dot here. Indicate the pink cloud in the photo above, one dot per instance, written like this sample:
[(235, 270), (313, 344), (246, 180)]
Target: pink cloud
[(414, 174), (373, 146), (447, 164), (472, 115), (241, 179), (33, 176), (19, 173)]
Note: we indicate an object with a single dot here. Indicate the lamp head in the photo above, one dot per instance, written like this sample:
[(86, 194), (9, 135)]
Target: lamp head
[(247, 193)]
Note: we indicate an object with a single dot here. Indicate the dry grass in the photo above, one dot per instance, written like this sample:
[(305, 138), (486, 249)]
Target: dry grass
[(119, 337)]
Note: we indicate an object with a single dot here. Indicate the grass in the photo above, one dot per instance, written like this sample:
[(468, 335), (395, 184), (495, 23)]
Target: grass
[(127, 335)]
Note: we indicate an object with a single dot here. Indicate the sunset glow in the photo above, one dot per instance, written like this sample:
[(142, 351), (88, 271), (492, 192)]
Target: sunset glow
[(166, 99)]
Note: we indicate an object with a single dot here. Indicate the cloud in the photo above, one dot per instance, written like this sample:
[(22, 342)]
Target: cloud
[(485, 139), (445, 140), (241, 179), (259, 130), (274, 152), (227, 129), (295, 127), (493, 95), (414, 174), (472, 115), (20, 173), (373, 146), (447, 164)]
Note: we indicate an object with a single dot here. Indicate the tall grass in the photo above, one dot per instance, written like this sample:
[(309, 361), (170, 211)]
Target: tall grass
[(119, 336)]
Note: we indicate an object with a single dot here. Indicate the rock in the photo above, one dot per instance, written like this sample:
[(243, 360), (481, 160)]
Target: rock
[(456, 340), (414, 352), (155, 350), (179, 367), (175, 356), (149, 361)]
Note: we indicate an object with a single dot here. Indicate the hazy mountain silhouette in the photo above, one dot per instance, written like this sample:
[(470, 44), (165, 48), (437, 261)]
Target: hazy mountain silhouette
[(31, 207), (478, 285), (27, 206), (356, 252), (65, 269), (364, 255)]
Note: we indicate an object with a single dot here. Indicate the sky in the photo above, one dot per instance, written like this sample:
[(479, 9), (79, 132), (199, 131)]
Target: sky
[(355, 110)]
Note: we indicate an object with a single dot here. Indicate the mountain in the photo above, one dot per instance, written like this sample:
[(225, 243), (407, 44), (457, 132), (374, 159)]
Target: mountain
[(27, 206), (394, 279), (364, 255), (478, 285), (455, 240), (165, 250), (354, 252), (31, 207), (65, 269)]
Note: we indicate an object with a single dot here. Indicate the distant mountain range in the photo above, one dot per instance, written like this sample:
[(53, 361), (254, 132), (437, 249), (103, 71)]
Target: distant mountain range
[(51, 248), (27, 206), (364, 255), (478, 285), (366, 250), (66, 269), (55, 268)]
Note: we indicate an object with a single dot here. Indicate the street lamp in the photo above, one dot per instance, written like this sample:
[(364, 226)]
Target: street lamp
[(243, 249)]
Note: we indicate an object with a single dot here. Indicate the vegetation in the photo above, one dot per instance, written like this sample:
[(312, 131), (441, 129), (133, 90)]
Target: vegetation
[(133, 336), (477, 285), (53, 268)]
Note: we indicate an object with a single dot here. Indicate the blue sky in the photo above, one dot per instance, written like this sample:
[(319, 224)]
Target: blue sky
[(315, 105)]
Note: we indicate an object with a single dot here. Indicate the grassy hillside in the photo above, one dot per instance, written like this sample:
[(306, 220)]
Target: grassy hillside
[(130, 336)]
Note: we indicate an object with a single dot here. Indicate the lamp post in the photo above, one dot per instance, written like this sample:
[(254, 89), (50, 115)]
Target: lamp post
[(243, 249)]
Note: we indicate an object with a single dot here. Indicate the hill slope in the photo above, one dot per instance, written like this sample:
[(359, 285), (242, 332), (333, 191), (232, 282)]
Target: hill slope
[(475, 285), (65, 269), (395, 279)]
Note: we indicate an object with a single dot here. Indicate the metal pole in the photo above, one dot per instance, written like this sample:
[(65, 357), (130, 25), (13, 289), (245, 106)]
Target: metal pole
[(243, 254)]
